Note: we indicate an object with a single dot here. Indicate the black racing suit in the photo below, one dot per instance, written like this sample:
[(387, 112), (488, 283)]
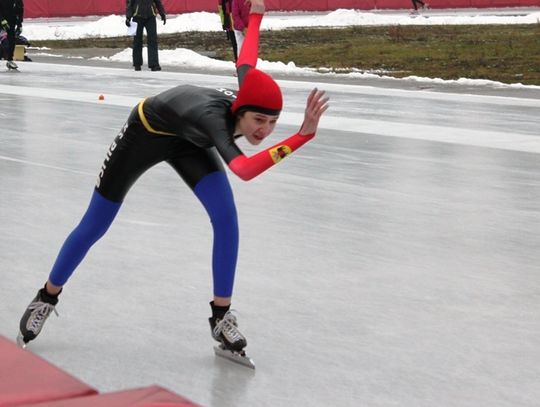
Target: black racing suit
[(186, 126), (192, 129)]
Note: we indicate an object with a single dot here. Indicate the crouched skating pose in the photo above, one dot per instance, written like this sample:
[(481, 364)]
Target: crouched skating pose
[(193, 129)]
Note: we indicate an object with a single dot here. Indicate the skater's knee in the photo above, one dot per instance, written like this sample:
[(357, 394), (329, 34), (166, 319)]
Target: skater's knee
[(216, 195), (97, 219), (90, 232)]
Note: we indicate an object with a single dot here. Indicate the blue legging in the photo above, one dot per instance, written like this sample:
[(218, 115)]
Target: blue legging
[(93, 225), (215, 194)]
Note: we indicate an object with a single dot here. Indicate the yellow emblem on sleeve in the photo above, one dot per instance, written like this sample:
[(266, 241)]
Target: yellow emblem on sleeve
[(279, 153)]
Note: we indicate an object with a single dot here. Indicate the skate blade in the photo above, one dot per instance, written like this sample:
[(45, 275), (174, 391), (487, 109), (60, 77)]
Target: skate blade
[(240, 358), (20, 341)]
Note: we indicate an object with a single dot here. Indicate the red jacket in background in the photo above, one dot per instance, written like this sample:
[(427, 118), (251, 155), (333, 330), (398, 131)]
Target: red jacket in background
[(240, 14)]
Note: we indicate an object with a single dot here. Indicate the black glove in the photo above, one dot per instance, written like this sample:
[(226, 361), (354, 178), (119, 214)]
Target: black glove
[(128, 22), (18, 29), (163, 18)]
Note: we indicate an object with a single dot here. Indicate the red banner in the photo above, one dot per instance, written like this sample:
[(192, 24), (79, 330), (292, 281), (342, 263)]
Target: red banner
[(69, 8)]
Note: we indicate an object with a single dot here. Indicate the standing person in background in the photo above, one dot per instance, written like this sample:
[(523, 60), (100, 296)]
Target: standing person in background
[(224, 9), (144, 12), (11, 19), (415, 5), (240, 16)]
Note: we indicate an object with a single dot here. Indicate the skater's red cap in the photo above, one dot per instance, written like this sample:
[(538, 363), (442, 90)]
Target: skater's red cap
[(258, 93)]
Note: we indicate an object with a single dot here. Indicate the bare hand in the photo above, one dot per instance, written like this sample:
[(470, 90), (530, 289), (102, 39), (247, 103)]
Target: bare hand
[(257, 7), (316, 105)]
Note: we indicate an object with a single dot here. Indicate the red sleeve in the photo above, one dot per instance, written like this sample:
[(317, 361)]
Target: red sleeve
[(250, 48), (249, 167)]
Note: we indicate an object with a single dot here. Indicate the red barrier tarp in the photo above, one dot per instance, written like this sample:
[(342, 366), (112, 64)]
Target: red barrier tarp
[(153, 396), (66, 8), (27, 378)]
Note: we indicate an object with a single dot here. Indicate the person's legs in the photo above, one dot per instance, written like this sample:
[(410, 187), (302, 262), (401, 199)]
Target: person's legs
[(204, 174), (132, 152), (137, 45), (232, 39), (12, 40), (95, 222), (152, 42), (239, 37), (215, 194), (416, 2)]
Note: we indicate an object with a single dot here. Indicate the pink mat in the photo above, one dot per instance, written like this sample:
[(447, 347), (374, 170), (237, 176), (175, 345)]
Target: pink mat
[(26, 378), (153, 396)]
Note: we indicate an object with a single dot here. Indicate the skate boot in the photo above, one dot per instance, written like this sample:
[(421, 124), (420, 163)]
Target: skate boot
[(35, 316), (11, 65), (224, 328)]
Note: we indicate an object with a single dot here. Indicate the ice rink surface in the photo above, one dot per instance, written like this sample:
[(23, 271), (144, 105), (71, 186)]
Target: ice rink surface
[(392, 261)]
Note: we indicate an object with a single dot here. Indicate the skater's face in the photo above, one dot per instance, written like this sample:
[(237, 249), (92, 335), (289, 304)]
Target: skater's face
[(255, 126)]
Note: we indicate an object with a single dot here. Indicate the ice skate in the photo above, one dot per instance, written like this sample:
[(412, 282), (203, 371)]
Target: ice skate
[(35, 316), (232, 342), (12, 66), (239, 357)]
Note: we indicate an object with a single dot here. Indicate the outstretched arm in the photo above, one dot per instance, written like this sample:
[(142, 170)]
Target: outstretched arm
[(249, 167), (250, 49)]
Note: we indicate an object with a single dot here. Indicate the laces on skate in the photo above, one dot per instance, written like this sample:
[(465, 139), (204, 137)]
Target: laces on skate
[(232, 342), (33, 320), (40, 313), (226, 331)]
